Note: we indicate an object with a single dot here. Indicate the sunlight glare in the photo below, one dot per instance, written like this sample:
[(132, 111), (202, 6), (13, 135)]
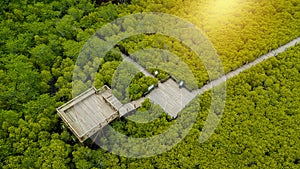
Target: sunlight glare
[(223, 7)]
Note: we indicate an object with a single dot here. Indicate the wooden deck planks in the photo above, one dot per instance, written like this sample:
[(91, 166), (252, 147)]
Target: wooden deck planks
[(77, 124), (106, 110), (90, 111), (170, 97), (94, 107), (77, 99)]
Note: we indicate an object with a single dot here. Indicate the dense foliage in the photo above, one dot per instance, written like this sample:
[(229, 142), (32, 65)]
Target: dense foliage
[(39, 45), (140, 85), (161, 74)]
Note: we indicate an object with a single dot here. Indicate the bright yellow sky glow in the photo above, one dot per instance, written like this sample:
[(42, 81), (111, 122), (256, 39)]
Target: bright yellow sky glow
[(219, 12), (223, 7)]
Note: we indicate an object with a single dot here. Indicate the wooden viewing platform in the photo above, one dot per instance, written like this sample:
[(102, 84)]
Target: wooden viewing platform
[(92, 110)]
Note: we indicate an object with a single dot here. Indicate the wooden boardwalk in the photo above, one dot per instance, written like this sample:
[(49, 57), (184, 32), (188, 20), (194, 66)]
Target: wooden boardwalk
[(89, 112), (129, 107), (138, 66), (236, 72), (168, 95), (172, 99)]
